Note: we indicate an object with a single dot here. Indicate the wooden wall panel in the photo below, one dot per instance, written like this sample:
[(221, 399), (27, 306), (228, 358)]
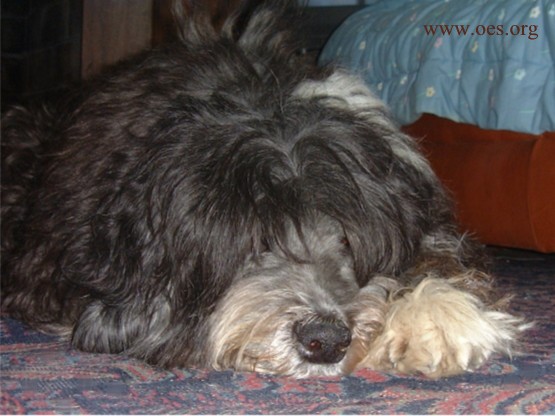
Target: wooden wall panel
[(113, 30)]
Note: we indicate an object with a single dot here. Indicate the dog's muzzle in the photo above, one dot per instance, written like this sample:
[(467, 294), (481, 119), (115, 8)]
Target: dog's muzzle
[(321, 340)]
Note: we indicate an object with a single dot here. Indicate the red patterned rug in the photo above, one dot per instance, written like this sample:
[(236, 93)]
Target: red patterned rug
[(41, 374)]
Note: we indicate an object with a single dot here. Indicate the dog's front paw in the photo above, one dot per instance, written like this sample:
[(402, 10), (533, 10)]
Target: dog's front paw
[(439, 330)]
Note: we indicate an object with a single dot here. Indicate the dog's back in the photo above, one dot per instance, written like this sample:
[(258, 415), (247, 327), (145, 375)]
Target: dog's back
[(133, 94), (89, 184)]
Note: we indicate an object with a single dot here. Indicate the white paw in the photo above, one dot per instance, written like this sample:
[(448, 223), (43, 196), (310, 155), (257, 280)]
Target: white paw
[(439, 330)]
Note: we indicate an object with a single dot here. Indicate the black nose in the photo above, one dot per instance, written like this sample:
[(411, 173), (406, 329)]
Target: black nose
[(322, 341)]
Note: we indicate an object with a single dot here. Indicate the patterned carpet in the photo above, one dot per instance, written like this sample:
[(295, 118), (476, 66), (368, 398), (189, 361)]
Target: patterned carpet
[(40, 374)]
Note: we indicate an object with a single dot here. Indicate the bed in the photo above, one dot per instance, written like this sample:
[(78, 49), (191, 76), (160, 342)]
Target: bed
[(474, 81)]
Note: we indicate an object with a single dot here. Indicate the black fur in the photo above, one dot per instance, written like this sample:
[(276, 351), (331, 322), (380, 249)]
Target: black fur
[(132, 205)]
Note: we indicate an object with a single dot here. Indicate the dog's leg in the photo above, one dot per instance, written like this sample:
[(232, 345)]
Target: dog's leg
[(444, 324), (367, 313), (136, 327), (438, 329)]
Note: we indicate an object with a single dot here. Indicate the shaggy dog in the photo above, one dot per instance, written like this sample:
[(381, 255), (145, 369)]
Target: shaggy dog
[(221, 203)]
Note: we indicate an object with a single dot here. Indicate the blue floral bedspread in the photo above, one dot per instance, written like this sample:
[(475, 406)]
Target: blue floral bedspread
[(496, 68)]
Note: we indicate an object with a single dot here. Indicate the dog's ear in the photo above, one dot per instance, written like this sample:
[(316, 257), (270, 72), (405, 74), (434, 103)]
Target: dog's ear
[(199, 21), (251, 23)]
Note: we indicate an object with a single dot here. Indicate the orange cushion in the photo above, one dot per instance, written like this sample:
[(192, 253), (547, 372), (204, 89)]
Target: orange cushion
[(503, 183)]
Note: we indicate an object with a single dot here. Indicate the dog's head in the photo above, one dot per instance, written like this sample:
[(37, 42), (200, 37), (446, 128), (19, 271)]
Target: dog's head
[(300, 190), (296, 307)]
